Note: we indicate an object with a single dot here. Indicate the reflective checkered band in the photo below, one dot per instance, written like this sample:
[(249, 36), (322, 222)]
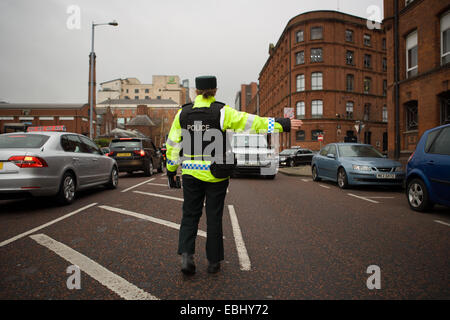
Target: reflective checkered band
[(172, 163), (271, 125), (195, 166)]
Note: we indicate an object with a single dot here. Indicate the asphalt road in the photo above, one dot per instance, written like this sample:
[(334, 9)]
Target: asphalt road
[(288, 238)]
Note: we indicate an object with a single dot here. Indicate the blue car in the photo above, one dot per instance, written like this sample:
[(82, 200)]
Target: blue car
[(428, 170), (356, 164)]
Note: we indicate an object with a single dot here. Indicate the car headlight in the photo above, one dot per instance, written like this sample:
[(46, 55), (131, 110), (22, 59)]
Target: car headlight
[(361, 168), (398, 169)]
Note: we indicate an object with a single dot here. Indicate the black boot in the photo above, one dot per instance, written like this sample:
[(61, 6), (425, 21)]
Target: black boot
[(213, 267), (187, 263)]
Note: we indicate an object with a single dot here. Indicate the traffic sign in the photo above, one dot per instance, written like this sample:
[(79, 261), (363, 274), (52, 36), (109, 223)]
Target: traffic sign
[(320, 137)]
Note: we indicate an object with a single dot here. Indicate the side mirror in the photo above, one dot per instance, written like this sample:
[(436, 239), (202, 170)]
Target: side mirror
[(332, 156)]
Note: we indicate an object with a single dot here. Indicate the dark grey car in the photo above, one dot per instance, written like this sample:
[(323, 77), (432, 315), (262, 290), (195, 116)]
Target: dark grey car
[(52, 163)]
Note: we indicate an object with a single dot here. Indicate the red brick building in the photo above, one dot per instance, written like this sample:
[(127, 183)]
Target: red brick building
[(330, 69), (245, 96), (418, 53), (75, 117)]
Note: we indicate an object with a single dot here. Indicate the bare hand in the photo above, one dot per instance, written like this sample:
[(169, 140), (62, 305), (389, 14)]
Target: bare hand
[(296, 124)]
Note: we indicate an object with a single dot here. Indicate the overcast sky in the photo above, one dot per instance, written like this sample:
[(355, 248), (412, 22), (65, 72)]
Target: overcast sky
[(42, 60)]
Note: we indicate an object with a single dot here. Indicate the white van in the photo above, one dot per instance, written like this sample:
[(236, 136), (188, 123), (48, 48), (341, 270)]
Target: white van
[(254, 156)]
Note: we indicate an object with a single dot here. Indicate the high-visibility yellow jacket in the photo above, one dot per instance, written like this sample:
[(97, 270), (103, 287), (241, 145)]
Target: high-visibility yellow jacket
[(231, 119)]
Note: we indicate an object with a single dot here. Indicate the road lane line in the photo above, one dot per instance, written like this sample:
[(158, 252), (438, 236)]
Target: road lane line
[(158, 184), (381, 197), (150, 218), (244, 259), (159, 195), (362, 198), (139, 184), (306, 180), (441, 222), (46, 225), (326, 187), (112, 281)]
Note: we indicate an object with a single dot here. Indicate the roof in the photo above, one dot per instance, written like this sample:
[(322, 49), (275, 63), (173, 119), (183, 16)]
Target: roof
[(141, 120), (143, 101), (42, 105)]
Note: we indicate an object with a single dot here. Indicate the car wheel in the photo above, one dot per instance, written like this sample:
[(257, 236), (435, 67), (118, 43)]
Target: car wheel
[(113, 179), (342, 179), (67, 189), (149, 170), (291, 163), (417, 195), (315, 175)]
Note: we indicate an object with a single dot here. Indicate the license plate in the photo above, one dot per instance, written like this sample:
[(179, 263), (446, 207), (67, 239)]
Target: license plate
[(1, 166), (386, 175), (124, 154)]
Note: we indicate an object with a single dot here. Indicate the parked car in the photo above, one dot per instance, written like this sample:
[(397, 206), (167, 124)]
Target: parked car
[(356, 164), (52, 164), (428, 170), (295, 157), (254, 156), (136, 154)]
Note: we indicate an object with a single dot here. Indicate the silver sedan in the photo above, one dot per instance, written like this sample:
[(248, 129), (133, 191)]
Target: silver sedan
[(52, 164)]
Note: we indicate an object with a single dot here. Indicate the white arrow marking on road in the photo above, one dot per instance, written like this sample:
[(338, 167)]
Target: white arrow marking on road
[(45, 225), (149, 218), (244, 259), (112, 281), (441, 222), (159, 195), (362, 198), (139, 184)]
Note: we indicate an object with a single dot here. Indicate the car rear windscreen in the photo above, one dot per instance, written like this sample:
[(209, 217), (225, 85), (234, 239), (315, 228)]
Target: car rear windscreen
[(359, 152), (125, 144), (22, 141)]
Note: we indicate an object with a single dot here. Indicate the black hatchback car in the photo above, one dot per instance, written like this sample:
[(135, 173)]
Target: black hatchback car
[(136, 154), (295, 157)]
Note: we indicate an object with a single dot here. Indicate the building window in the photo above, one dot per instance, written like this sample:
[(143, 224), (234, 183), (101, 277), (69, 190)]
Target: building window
[(384, 88), (445, 38), (315, 134), (350, 82), (316, 109), (411, 115), (300, 57), (300, 135), (127, 97), (147, 97), (385, 114), (383, 43), (349, 109), (316, 55), (136, 97), (300, 82), (158, 97), (411, 54), (300, 110), (136, 90), (349, 57), (147, 91), (127, 90), (384, 64), (445, 109), (367, 85), (367, 61), (366, 112), (316, 33), (299, 36), (367, 40), (316, 81), (349, 35), (367, 137)]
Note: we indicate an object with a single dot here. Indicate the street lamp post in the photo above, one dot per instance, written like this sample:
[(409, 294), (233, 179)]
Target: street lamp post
[(92, 83)]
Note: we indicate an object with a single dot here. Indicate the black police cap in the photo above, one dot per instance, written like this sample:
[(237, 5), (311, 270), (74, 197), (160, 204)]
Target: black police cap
[(206, 82)]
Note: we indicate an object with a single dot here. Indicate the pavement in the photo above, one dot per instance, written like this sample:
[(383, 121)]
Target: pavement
[(285, 239), (296, 171)]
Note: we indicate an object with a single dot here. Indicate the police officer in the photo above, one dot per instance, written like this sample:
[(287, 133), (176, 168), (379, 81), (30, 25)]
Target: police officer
[(202, 177)]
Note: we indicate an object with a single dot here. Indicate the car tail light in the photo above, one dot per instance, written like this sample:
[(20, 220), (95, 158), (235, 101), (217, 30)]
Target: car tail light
[(28, 162), (411, 156), (140, 152), (110, 154)]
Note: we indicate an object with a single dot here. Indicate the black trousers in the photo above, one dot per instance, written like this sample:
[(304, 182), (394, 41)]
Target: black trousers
[(195, 191)]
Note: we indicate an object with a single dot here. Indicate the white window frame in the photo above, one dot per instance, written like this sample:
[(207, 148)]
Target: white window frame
[(445, 26), (296, 58), (300, 84), (297, 34), (316, 109), (385, 114), (349, 107), (317, 81), (301, 110), (411, 43)]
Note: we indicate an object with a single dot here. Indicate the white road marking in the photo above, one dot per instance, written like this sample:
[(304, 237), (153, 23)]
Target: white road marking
[(46, 225), (149, 218), (139, 184), (158, 184), (441, 222), (244, 259), (326, 187), (362, 198), (306, 180), (159, 195), (112, 281), (381, 197), (163, 175)]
